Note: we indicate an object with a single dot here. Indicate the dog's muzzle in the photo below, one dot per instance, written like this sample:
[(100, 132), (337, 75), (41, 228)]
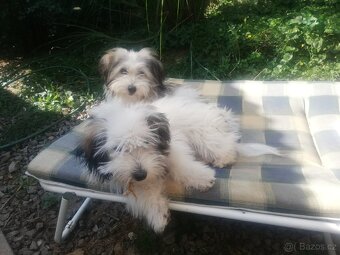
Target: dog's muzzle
[(139, 175), (132, 89)]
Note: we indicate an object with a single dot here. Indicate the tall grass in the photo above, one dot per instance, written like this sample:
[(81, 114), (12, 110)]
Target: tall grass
[(171, 14), (147, 16), (161, 30)]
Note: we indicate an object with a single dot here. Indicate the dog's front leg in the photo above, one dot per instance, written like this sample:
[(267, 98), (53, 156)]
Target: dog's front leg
[(149, 202), (185, 169)]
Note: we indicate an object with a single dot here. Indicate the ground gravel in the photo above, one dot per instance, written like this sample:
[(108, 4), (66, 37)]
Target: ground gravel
[(28, 217)]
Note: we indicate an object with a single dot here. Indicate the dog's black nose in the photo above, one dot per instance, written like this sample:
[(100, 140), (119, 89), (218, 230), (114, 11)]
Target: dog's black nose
[(139, 175), (132, 89)]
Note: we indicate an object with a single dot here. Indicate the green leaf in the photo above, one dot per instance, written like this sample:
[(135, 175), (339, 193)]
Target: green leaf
[(317, 44), (290, 49), (287, 57)]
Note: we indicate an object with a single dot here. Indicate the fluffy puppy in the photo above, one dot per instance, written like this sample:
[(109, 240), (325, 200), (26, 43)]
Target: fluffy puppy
[(138, 147), (133, 76)]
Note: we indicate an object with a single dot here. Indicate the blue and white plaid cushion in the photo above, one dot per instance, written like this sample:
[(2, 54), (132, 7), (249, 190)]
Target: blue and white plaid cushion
[(300, 118)]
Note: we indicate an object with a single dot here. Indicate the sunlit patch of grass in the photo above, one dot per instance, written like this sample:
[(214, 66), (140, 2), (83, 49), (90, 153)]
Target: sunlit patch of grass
[(33, 98), (19, 118)]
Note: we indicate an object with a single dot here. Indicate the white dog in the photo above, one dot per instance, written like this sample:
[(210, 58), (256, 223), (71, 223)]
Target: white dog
[(138, 147), (133, 76)]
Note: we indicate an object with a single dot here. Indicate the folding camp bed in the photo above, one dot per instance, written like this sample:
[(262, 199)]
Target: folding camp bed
[(299, 189)]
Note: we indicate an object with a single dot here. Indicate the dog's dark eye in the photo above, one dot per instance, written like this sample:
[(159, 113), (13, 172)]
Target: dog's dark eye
[(123, 71)]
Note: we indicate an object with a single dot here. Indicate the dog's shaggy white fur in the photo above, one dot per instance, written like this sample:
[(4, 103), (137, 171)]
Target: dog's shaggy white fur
[(133, 76), (141, 145), (138, 147), (147, 133)]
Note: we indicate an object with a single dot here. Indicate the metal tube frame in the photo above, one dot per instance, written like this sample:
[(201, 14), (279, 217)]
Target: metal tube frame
[(325, 225), (64, 230)]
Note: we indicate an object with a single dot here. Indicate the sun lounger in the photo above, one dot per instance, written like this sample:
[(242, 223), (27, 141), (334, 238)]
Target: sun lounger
[(299, 189)]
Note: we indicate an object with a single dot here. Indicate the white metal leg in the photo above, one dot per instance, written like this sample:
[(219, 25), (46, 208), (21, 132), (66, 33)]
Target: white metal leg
[(62, 216), (62, 231), (73, 222)]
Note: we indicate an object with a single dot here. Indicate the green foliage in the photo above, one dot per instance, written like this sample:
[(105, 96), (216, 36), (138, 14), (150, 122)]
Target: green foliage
[(34, 97), (299, 42), (19, 118), (307, 42), (225, 39), (200, 39), (49, 94)]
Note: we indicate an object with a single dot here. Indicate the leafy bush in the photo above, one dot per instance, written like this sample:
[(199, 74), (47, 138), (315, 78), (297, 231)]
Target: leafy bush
[(61, 42), (298, 42)]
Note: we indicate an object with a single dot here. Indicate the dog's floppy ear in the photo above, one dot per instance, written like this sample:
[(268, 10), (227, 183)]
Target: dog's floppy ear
[(155, 66), (90, 150), (159, 124), (110, 59)]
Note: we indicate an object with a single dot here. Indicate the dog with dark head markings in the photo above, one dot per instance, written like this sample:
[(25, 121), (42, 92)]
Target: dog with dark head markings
[(140, 147), (133, 76)]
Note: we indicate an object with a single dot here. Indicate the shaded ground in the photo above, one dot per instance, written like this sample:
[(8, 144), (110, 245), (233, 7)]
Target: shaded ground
[(28, 216)]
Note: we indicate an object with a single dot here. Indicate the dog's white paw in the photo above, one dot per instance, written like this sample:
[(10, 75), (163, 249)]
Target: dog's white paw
[(208, 184), (160, 219), (204, 180), (225, 160)]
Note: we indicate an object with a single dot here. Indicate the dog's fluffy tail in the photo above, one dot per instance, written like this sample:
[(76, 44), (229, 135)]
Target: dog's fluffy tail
[(256, 149)]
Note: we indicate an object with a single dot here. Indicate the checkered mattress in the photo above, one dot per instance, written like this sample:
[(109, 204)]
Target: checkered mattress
[(302, 119)]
